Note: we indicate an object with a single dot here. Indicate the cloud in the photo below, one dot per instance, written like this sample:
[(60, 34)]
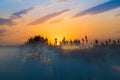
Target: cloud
[(117, 32), (107, 6), (5, 21), (10, 21), (117, 14), (20, 13), (59, 0), (47, 17), (56, 21)]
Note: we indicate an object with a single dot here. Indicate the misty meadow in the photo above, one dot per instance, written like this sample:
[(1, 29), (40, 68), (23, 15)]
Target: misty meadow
[(60, 40)]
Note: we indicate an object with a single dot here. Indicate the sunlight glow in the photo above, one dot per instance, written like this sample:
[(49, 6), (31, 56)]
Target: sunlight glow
[(58, 44)]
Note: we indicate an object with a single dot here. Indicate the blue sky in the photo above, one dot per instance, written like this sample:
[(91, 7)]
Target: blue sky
[(11, 6), (8, 7), (14, 9)]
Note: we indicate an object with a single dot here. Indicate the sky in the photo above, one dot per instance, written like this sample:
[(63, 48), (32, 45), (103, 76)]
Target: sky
[(73, 19)]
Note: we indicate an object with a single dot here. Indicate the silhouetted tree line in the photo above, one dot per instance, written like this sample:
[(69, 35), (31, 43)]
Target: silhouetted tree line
[(37, 40), (96, 43), (108, 43), (76, 42), (41, 40), (71, 42)]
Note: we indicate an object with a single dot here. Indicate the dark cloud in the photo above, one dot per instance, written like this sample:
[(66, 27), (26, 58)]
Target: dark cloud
[(47, 17), (107, 6), (9, 21), (20, 13), (4, 21)]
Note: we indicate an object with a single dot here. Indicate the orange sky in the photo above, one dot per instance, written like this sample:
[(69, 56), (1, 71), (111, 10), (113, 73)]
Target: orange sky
[(63, 24)]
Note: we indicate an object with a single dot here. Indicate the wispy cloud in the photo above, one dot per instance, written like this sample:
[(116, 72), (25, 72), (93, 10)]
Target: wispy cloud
[(20, 13), (117, 32), (56, 21), (47, 17), (117, 14), (5, 21), (59, 0), (107, 6), (10, 21)]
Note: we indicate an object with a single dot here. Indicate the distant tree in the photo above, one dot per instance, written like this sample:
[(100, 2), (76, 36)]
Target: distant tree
[(114, 42), (107, 43), (96, 42), (102, 44), (79, 42), (70, 42), (86, 38), (55, 41), (76, 42), (118, 42), (110, 40), (37, 40), (83, 39), (64, 40)]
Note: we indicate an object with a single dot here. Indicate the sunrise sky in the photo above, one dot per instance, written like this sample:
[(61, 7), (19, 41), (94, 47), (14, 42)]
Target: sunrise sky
[(73, 19)]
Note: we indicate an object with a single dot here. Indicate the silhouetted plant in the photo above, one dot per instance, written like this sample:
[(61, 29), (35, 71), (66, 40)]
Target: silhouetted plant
[(96, 42), (106, 43), (118, 42), (55, 41), (70, 42), (76, 42), (102, 44), (86, 39), (110, 40), (64, 40), (114, 42), (83, 40)]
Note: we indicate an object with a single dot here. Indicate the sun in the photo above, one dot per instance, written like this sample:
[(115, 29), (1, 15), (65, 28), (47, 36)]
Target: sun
[(58, 43)]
